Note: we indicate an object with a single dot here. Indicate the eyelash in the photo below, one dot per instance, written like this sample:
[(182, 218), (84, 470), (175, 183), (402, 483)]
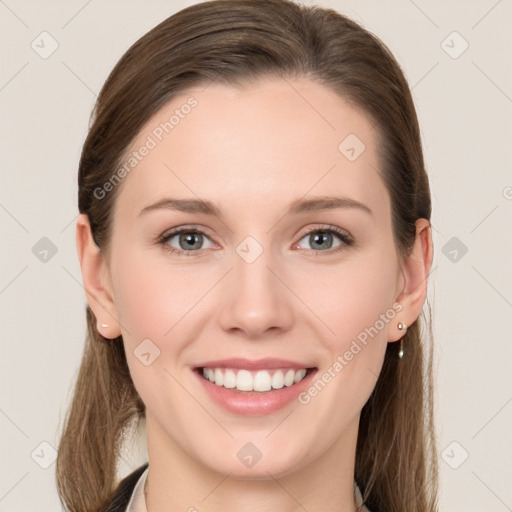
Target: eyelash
[(343, 236)]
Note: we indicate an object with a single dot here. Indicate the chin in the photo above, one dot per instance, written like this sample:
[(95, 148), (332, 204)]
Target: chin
[(250, 464)]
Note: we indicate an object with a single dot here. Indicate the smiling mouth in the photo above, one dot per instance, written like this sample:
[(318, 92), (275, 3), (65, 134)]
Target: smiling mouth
[(241, 380)]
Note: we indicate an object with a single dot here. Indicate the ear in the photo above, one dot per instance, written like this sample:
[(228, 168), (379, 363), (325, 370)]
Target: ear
[(415, 271), (96, 279)]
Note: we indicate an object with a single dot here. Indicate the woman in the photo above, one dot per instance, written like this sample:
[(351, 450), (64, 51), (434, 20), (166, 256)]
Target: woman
[(255, 247)]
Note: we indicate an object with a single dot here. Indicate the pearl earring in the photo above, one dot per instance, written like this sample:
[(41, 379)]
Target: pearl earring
[(402, 327)]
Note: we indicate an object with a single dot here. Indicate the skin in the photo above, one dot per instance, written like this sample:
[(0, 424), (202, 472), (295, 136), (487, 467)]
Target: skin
[(252, 151)]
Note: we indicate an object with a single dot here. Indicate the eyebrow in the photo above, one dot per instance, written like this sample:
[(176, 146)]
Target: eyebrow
[(294, 208)]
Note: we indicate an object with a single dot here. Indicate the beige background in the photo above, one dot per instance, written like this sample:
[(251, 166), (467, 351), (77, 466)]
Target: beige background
[(465, 110)]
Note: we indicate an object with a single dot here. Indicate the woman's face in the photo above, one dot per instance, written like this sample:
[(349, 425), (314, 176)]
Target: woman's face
[(265, 279)]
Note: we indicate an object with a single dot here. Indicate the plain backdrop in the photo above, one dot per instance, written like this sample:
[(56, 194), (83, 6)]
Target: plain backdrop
[(457, 58)]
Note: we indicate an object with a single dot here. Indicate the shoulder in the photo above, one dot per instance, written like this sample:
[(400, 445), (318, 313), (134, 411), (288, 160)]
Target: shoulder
[(121, 497)]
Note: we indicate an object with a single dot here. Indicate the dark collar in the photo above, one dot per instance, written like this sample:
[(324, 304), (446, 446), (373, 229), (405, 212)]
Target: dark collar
[(124, 491)]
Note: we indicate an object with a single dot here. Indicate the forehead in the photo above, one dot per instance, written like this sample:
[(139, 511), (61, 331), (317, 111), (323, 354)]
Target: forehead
[(258, 146)]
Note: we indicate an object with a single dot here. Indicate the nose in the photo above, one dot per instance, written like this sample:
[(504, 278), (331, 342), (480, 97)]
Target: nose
[(255, 299)]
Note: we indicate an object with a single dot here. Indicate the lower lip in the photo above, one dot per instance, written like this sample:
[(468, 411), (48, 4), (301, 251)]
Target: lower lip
[(254, 403)]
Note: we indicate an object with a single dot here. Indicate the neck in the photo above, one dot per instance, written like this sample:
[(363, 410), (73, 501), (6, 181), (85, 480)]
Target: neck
[(177, 481)]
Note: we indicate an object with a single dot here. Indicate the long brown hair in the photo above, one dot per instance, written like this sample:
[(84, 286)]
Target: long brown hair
[(235, 42)]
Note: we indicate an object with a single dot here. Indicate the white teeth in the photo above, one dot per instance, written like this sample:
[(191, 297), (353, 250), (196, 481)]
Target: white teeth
[(278, 380), (244, 380), (229, 379), (261, 380), (289, 378), (219, 377), (299, 375)]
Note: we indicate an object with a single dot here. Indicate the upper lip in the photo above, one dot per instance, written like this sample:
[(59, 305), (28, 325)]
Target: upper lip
[(241, 363)]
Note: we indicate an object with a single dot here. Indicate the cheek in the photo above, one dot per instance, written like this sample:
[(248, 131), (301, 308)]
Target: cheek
[(159, 302), (152, 302), (153, 297), (359, 314), (355, 301), (350, 298)]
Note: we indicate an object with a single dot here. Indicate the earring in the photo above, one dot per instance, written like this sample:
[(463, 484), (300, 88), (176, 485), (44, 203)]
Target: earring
[(102, 325), (402, 327)]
